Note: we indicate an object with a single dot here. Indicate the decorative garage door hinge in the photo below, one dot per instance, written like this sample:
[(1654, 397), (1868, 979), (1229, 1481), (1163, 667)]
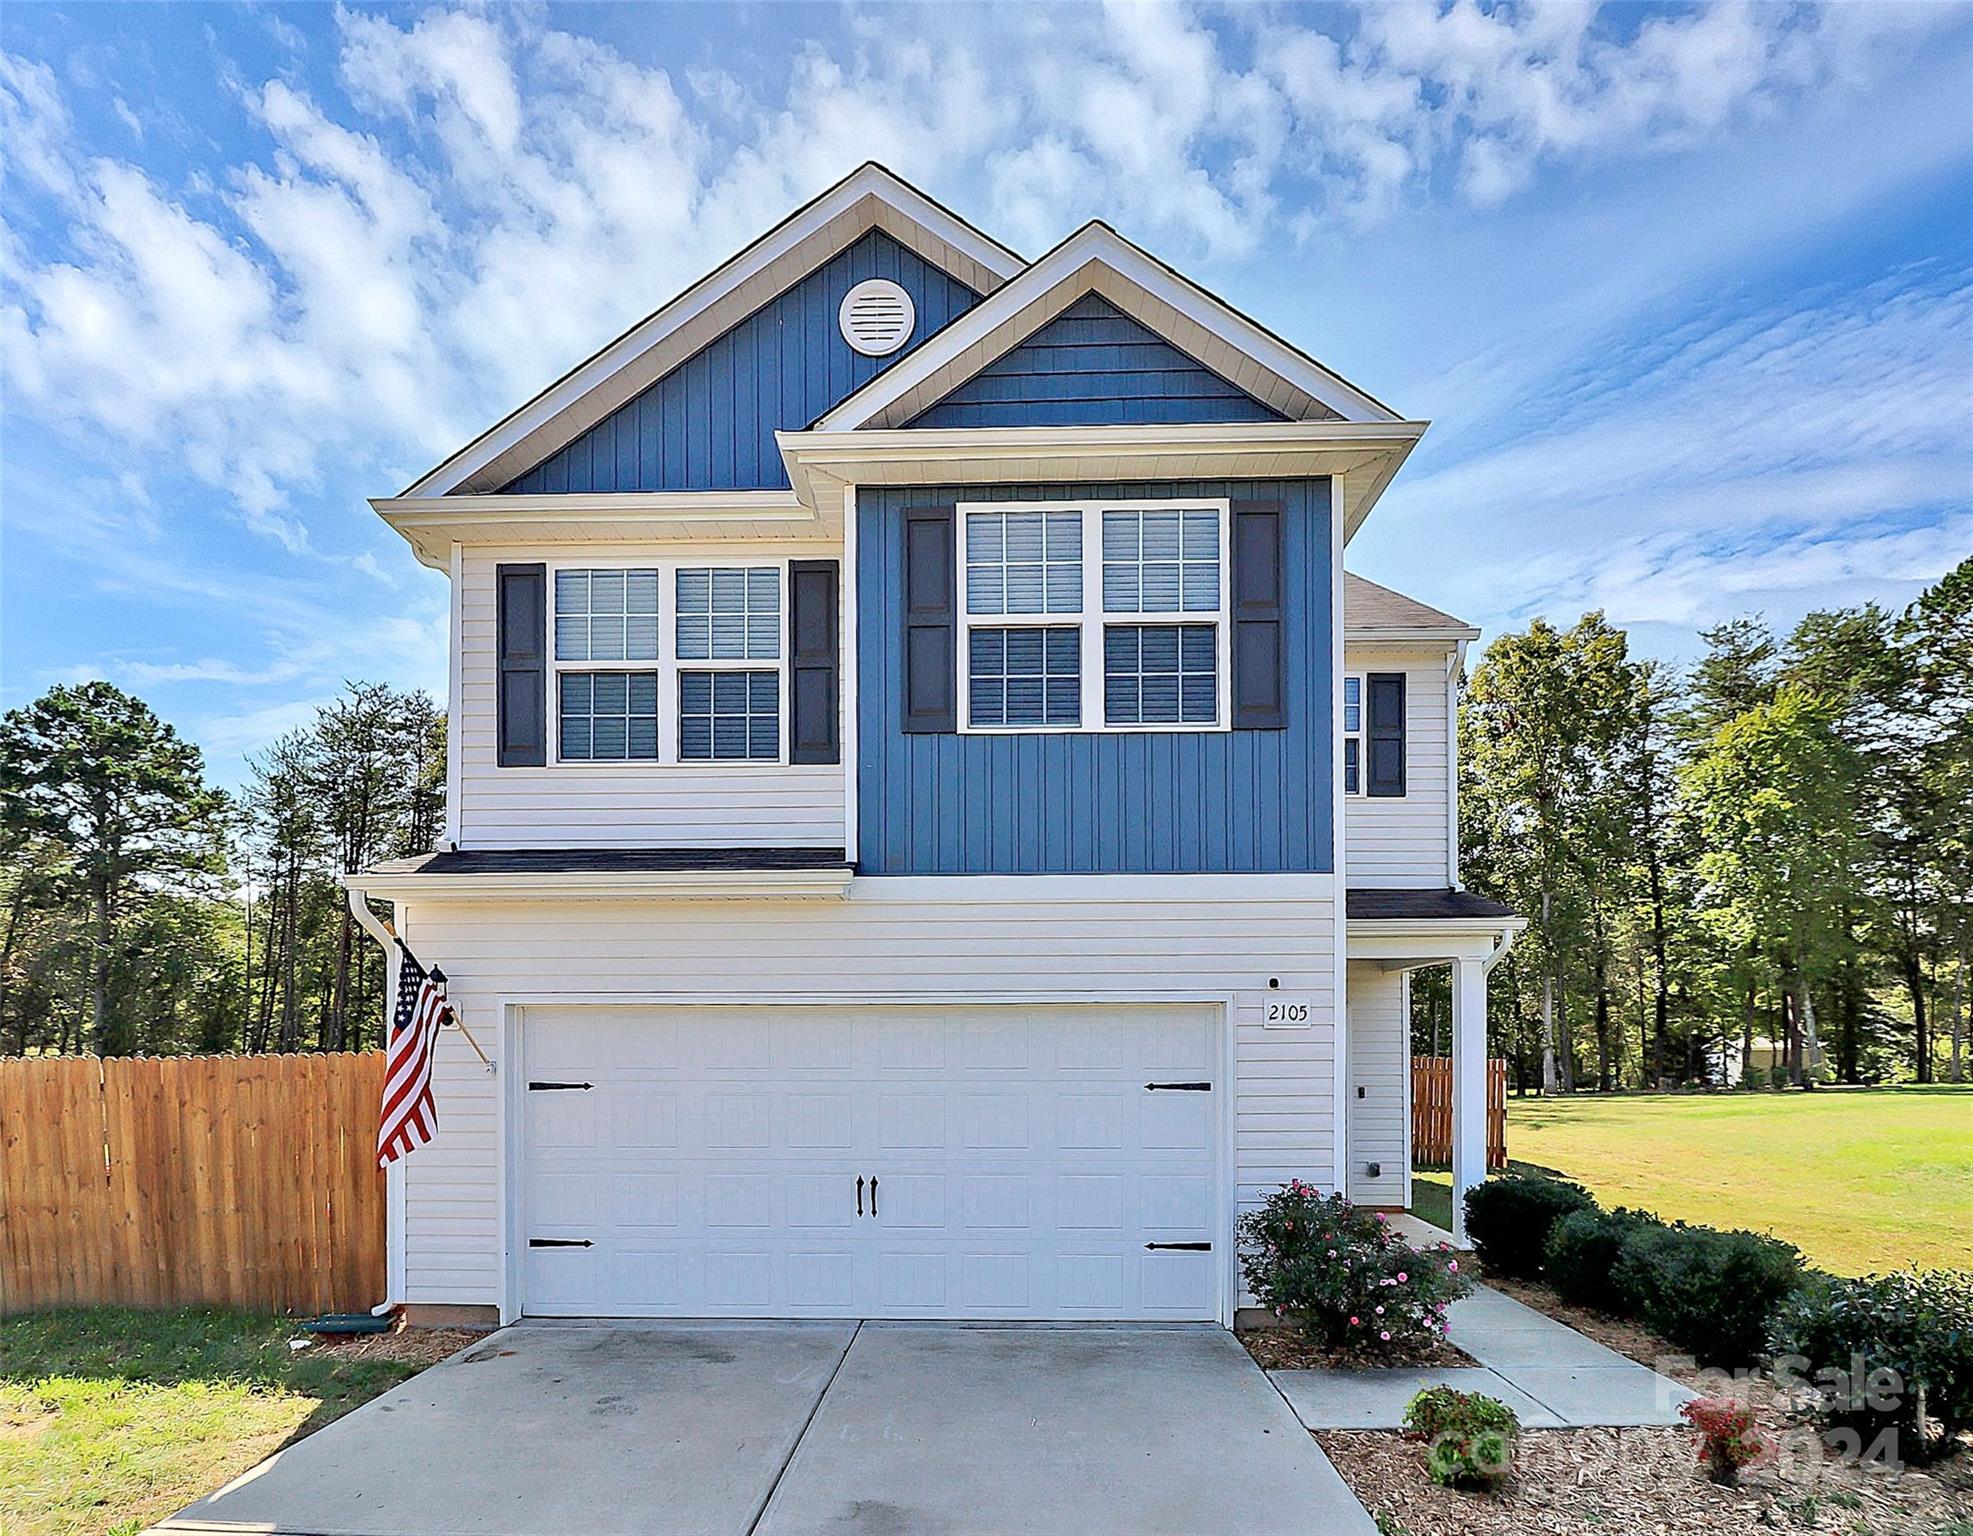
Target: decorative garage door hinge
[(1182, 1247), (557, 1087), (1178, 1087), (560, 1242)]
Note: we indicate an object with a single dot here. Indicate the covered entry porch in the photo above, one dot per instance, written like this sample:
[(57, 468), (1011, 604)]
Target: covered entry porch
[(1392, 933)]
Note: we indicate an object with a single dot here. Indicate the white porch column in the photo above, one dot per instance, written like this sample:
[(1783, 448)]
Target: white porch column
[(1469, 1085)]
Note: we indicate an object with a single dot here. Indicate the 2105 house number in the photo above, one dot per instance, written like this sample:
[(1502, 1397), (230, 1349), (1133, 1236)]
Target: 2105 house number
[(1287, 1010)]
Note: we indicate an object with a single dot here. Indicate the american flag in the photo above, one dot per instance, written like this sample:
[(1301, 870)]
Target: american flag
[(410, 1118)]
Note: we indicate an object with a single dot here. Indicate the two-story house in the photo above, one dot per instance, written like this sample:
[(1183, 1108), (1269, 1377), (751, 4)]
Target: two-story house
[(932, 829)]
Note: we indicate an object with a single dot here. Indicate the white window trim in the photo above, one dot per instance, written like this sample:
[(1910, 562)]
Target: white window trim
[(1359, 735), (1092, 617), (668, 665)]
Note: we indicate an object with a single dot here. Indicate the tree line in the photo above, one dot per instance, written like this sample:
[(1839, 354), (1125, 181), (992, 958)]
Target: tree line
[(147, 911), (1759, 868)]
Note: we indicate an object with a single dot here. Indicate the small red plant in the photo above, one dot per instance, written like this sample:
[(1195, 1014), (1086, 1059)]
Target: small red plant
[(1729, 1439)]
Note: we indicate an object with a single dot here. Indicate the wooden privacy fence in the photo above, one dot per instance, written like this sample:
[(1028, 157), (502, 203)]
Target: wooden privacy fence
[(250, 1181), (1431, 1111)]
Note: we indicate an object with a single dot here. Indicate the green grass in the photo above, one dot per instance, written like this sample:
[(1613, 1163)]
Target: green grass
[(1860, 1179), (111, 1418)]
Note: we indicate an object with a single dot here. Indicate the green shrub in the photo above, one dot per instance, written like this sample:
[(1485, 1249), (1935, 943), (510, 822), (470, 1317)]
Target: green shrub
[(1470, 1438), (1714, 1293), (1580, 1257), (1343, 1276), (1890, 1353), (1508, 1220)]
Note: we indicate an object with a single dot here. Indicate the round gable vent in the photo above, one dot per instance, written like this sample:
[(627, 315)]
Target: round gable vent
[(876, 317)]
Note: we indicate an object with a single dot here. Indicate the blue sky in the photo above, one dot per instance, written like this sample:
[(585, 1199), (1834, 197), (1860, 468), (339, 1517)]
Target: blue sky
[(1688, 293)]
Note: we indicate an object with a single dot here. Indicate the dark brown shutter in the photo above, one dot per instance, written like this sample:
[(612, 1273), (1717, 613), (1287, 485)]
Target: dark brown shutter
[(1259, 633), (815, 662), (931, 664), (522, 603), (1383, 709)]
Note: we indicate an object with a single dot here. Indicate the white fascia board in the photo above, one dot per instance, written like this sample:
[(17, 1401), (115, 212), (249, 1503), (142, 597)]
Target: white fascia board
[(745, 885), (1430, 940), (430, 524), (816, 460), (1445, 635), (870, 180), (1096, 244)]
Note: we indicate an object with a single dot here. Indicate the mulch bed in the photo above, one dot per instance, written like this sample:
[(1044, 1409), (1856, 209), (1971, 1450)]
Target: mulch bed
[(1288, 1349), (411, 1346), (1592, 1482)]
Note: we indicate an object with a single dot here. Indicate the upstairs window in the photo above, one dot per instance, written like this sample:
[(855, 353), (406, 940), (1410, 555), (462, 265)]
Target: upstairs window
[(1352, 735), (708, 686), (1093, 654)]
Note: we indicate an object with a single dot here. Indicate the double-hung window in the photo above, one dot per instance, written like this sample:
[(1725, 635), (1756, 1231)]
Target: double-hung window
[(729, 706), (704, 683), (1137, 643), (606, 624), (1353, 734)]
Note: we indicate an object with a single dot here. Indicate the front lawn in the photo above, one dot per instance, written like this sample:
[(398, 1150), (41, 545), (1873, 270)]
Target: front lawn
[(1860, 1179), (112, 1418)]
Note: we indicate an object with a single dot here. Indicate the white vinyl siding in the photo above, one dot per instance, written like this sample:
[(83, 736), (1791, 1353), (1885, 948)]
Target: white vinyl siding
[(1402, 840), (1378, 1099), (1193, 939), (623, 804)]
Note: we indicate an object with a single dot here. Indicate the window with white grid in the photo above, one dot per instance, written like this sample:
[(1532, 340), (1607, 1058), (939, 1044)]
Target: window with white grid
[(1048, 647)]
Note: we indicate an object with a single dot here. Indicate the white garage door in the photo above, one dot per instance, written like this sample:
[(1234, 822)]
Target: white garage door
[(896, 1162)]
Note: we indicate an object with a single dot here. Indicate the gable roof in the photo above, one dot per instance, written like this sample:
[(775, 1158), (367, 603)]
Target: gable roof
[(1092, 365), (1097, 259), (870, 197), (1371, 611)]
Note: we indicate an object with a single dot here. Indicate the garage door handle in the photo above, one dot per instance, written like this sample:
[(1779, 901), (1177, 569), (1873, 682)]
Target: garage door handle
[(560, 1242), (1181, 1247), (873, 1194), (859, 1194), (1178, 1087), (556, 1087)]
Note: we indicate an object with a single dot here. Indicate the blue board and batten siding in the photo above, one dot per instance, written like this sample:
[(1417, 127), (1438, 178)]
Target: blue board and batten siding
[(1093, 803), (709, 424), (1092, 365)]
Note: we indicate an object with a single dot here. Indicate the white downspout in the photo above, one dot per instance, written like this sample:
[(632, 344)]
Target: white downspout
[(368, 921)]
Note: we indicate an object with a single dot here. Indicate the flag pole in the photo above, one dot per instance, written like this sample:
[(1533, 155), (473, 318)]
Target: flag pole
[(452, 1017)]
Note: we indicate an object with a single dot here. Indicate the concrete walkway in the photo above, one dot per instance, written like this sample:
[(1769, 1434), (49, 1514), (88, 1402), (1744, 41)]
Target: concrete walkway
[(1550, 1375), (801, 1429)]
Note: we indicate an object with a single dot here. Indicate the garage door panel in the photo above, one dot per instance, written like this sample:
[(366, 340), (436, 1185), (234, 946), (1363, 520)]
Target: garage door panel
[(911, 1122), (640, 1201), (996, 1122), (1091, 1121), (1021, 1163), (820, 1122), (640, 1115), (820, 1200)]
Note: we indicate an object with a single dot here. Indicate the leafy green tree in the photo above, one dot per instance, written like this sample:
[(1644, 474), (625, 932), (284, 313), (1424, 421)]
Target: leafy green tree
[(94, 771), (1774, 794)]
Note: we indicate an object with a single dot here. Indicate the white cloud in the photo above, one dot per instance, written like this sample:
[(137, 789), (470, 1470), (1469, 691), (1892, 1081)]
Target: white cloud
[(507, 194)]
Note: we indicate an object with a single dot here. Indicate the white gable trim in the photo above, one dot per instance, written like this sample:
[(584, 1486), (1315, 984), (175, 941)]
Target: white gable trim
[(1097, 259), (1361, 456), (870, 197)]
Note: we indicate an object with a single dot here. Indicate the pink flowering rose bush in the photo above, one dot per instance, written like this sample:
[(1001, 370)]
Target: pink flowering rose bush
[(1319, 1263)]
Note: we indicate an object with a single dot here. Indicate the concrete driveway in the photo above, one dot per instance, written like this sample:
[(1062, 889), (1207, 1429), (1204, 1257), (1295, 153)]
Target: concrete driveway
[(878, 1429)]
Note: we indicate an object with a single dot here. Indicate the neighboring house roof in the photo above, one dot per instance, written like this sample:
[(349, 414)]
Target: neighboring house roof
[(870, 197), (1371, 612), (1096, 259), (1448, 904)]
